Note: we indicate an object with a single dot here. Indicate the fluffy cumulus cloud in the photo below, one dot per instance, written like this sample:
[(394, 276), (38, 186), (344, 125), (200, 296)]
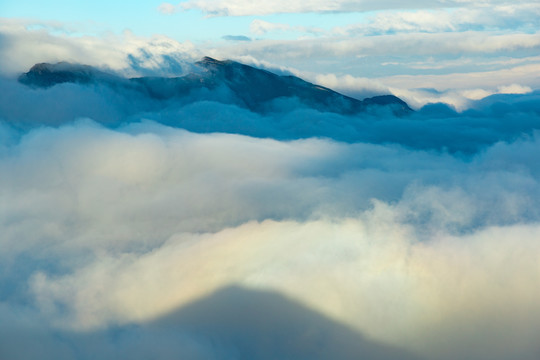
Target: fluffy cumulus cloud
[(206, 231)]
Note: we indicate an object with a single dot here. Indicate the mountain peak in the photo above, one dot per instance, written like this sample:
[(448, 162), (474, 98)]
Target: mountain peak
[(246, 86), (207, 60), (46, 75)]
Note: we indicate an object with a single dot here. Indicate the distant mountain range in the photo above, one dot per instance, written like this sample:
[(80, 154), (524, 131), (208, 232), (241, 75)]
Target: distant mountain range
[(222, 81)]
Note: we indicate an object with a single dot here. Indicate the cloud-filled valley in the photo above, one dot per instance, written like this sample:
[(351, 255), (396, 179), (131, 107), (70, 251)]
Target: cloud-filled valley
[(109, 225), (157, 203)]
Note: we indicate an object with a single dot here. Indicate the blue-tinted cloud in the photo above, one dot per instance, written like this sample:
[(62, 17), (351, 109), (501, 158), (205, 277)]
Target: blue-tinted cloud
[(438, 127), (236, 38), (344, 228)]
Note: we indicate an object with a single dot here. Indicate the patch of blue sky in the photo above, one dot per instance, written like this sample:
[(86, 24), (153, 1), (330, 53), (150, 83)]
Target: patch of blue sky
[(143, 18)]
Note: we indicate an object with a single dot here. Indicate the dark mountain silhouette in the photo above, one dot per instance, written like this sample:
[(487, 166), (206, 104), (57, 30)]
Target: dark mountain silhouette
[(223, 81), (266, 325), (233, 323), (45, 75)]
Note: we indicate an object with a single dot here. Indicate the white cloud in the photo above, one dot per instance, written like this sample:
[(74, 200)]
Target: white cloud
[(459, 96), (243, 7), (402, 45), (356, 87), (349, 270), (125, 53), (446, 255), (513, 89), (260, 27), (477, 18), (167, 8), (459, 88)]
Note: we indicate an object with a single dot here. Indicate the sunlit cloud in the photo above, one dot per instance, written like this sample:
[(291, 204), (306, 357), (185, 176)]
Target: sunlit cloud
[(176, 216)]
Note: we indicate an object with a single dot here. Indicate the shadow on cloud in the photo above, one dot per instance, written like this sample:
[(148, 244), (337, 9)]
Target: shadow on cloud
[(231, 323)]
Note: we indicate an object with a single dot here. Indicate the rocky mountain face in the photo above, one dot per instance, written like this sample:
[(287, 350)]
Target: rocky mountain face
[(222, 81)]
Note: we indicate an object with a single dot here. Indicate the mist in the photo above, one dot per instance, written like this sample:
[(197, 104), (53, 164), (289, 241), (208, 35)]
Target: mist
[(438, 126), (123, 222)]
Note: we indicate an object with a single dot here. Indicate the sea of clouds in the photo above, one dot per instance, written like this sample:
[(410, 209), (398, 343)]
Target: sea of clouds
[(136, 229)]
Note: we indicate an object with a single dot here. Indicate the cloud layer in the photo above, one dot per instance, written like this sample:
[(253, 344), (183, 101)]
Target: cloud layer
[(424, 251), (499, 117)]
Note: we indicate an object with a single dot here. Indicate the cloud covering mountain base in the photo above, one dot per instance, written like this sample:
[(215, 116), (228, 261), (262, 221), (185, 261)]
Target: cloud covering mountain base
[(105, 231), (436, 126)]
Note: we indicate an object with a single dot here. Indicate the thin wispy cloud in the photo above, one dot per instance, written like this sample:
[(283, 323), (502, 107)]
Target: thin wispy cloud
[(259, 27), (166, 8), (243, 8)]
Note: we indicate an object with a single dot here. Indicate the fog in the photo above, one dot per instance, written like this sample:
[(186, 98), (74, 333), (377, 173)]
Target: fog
[(133, 228), (501, 117)]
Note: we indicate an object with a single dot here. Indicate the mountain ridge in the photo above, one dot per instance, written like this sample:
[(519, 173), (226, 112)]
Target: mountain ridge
[(233, 82)]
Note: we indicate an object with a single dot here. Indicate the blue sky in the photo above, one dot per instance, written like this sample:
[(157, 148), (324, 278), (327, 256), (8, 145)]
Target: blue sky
[(145, 19), (100, 16)]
